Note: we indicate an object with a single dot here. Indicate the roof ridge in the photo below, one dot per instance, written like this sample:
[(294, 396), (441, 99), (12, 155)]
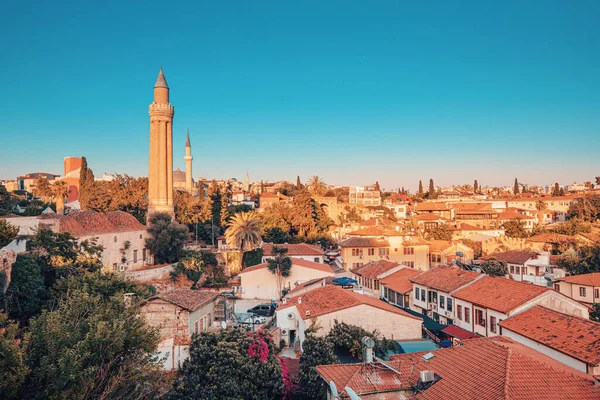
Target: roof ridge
[(507, 375)]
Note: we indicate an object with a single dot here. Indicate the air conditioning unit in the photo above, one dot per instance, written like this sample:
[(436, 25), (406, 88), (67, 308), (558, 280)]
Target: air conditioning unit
[(427, 376), (290, 316)]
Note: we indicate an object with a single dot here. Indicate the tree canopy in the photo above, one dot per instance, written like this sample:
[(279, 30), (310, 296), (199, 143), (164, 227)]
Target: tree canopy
[(494, 267), (166, 239), (315, 351), (8, 233)]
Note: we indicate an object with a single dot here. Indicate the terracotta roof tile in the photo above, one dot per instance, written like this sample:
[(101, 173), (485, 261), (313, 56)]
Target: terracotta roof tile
[(551, 238), (375, 268), (84, 223), (428, 217), (328, 299), (295, 262), (297, 249), (499, 293), (512, 215), (375, 231), (446, 279), (363, 242), (399, 281), (574, 336), (592, 279), (188, 298), (514, 256), (431, 206)]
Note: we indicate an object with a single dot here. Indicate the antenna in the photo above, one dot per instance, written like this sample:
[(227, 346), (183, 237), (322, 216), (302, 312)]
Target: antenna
[(352, 394), (333, 388)]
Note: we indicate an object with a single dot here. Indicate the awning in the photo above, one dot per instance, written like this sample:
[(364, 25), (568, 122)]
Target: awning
[(344, 281), (458, 333)]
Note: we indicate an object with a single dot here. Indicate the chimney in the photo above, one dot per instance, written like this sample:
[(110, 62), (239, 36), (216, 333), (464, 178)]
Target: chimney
[(368, 344)]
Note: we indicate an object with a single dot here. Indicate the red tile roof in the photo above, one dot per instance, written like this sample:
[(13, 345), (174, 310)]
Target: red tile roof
[(483, 369), (376, 268), (592, 279), (399, 281), (188, 298), (551, 238), (574, 336), (295, 262), (364, 242), (297, 249), (500, 294), (458, 333), (375, 231), (446, 279), (428, 217), (499, 368), (85, 223), (431, 206), (328, 299), (514, 256), (512, 215), (378, 222)]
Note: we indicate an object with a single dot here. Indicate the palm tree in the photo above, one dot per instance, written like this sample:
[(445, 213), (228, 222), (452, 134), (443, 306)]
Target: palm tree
[(60, 190), (540, 205), (316, 185), (243, 232), (280, 266)]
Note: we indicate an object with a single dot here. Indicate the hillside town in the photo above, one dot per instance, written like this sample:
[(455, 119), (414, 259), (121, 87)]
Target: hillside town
[(319, 291)]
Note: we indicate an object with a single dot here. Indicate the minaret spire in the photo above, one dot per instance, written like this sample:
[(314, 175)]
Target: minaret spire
[(187, 139), (188, 163)]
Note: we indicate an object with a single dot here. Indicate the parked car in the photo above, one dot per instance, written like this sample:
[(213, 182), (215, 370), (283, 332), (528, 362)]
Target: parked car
[(255, 319), (266, 310)]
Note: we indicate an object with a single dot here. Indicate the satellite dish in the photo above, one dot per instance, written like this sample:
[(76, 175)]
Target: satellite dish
[(334, 391), (223, 325), (352, 394)]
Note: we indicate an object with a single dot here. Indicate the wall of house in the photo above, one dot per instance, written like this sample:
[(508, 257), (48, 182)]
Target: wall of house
[(391, 325), (202, 318), (317, 259), (461, 322), (418, 305), (286, 324), (169, 318), (556, 302), (262, 284), (28, 225), (572, 290), (173, 354), (113, 243), (550, 352)]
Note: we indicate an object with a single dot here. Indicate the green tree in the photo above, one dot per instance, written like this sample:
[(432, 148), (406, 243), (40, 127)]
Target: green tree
[(191, 265), (573, 226), (475, 186), (8, 233), (123, 193), (26, 292), (299, 183), (315, 185), (280, 266), (91, 347), (586, 208), (585, 261), (515, 228), (276, 235), (42, 187), (59, 191), (12, 359), (316, 351), (476, 246), (243, 231), (7, 201), (441, 232), (166, 239), (420, 193), (431, 188), (86, 183), (595, 315), (516, 187), (347, 338), (253, 257), (494, 267), (230, 365)]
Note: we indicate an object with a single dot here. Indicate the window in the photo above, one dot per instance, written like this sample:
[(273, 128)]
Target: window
[(410, 264), (385, 292), (417, 293), (115, 239), (442, 302), (479, 317), (409, 251), (316, 259), (354, 252), (493, 324), (384, 252), (196, 327), (371, 252), (433, 297), (140, 235), (135, 256), (449, 304), (467, 315), (459, 312), (582, 291), (423, 294), (557, 287), (596, 293), (512, 269), (144, 254)]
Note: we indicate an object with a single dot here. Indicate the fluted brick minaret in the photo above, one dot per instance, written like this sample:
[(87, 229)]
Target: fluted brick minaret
[(188, 163), (160, 165)]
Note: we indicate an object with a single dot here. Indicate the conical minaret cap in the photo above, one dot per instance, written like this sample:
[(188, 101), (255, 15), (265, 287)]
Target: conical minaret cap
[(161, 81), (187, 139)]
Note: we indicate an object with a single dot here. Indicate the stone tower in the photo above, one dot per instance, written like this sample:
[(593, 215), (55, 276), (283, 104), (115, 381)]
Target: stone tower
[(160, 165), (247, 183), (188, 163)]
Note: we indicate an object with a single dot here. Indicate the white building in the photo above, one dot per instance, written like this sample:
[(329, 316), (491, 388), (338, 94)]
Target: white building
[(305, 251)]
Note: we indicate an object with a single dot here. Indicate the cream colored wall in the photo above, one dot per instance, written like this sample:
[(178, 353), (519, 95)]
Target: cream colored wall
[(112, 250), (556, 302), (206, 314), (171, 319), (572, 290), (391, 325), (262, 284)]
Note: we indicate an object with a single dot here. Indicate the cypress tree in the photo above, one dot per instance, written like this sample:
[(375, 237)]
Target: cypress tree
[(86, 181), (298, 182), (516, 189), (420, 188), (475, 186), (431, 188)]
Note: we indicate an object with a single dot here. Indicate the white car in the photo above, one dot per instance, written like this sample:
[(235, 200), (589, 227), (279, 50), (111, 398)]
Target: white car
[(256, 319)]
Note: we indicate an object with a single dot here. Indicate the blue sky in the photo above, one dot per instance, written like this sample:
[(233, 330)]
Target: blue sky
[(353, 91)]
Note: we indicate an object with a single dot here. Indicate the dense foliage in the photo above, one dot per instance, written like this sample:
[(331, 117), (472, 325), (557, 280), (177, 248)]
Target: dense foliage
[(587, 208), (230, 365), (441, 232), (316, 351), (280, 266), (347, 338), (585, 260), (166, 239), (8, 233), (494, 267)]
